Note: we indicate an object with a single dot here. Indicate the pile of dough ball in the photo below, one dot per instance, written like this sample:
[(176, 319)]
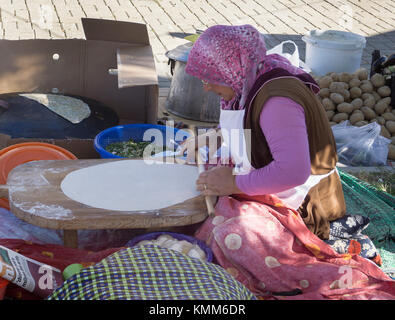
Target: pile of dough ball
[(359, 100), (183, 246)]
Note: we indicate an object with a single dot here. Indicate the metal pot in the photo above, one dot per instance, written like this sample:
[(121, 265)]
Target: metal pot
[(187, 97)]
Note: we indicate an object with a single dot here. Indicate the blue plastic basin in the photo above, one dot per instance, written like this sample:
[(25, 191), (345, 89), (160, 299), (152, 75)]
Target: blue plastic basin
[(136, 132)]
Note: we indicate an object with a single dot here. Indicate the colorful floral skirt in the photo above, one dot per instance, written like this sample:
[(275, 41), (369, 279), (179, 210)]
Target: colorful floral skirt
[(267, 247)]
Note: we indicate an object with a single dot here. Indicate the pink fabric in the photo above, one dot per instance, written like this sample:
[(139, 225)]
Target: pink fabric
[(263, 244), (283, 123), (269, 249), (233, 56)]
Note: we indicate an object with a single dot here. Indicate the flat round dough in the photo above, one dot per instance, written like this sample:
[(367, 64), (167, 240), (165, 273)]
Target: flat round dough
[(132, 185), (72, 109)]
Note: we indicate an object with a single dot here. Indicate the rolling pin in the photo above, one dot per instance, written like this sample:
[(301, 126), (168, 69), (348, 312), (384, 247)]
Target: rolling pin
[(208, 199)]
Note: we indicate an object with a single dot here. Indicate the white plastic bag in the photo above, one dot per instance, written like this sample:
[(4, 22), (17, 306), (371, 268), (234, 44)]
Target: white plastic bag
[(293, 58), (361, 146)]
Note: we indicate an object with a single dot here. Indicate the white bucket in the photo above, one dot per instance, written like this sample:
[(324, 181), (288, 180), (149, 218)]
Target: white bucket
[(333, 51)]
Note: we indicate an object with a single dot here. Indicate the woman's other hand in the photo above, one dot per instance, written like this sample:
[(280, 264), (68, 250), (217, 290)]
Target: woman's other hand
[(218, 181), (211, 139)]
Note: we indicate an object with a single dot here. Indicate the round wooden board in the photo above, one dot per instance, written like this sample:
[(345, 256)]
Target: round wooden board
[(36, 197)]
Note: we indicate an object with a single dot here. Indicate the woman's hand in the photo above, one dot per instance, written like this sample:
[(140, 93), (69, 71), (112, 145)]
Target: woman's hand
[(218, 181), (212, 139), (189, 146)]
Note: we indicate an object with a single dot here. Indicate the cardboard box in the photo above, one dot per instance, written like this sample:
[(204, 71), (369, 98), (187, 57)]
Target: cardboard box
[(81, 67)]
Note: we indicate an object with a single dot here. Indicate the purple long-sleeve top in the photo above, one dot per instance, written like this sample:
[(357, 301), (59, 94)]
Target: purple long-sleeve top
[(283, 123)]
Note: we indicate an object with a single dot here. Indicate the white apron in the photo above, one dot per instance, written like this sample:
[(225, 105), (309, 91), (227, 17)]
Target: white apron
[(234, 146)]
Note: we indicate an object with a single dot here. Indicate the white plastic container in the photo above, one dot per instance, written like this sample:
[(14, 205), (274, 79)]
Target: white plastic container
[(333, 51)]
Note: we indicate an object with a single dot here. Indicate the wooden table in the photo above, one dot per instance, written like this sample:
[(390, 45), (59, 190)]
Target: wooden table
[(35, 196)]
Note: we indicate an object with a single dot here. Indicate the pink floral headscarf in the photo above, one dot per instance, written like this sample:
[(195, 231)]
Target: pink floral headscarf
[(233, 56)]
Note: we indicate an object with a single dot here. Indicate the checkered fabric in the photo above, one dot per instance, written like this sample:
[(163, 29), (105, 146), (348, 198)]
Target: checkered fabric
[(150, 272)]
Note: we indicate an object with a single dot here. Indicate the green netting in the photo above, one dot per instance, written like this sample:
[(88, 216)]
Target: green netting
[(388, 258), (366, 200)]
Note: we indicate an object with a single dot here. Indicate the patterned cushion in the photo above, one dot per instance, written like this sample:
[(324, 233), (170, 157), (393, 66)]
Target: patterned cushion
[(150, 272), (348, 226), (345, 236)]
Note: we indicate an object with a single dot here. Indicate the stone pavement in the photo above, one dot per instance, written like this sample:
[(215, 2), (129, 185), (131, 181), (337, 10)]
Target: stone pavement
[(169, 21)]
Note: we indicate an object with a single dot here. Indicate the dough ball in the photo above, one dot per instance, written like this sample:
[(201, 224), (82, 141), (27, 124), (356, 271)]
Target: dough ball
[(144, 242), (162, 238), (186, 246), (196, 252)]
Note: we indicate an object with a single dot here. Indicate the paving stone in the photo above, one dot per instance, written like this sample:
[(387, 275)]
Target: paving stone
[(25, 35), (41, 33), (228, 10), (273, 24), (295, 21), (14, 4), (169, 21), (318, 20), (70, 15), (22, 14), (272, 5), (246, 7), (73, 31)]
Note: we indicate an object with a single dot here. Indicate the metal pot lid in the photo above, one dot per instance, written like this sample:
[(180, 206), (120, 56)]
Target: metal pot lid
[(180, 53)]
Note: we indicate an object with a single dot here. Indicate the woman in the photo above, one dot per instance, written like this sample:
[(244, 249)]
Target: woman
[(292, 146), (281, 192)]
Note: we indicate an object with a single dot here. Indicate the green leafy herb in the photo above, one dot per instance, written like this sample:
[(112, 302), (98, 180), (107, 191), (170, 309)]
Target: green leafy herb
[(130, 149)]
